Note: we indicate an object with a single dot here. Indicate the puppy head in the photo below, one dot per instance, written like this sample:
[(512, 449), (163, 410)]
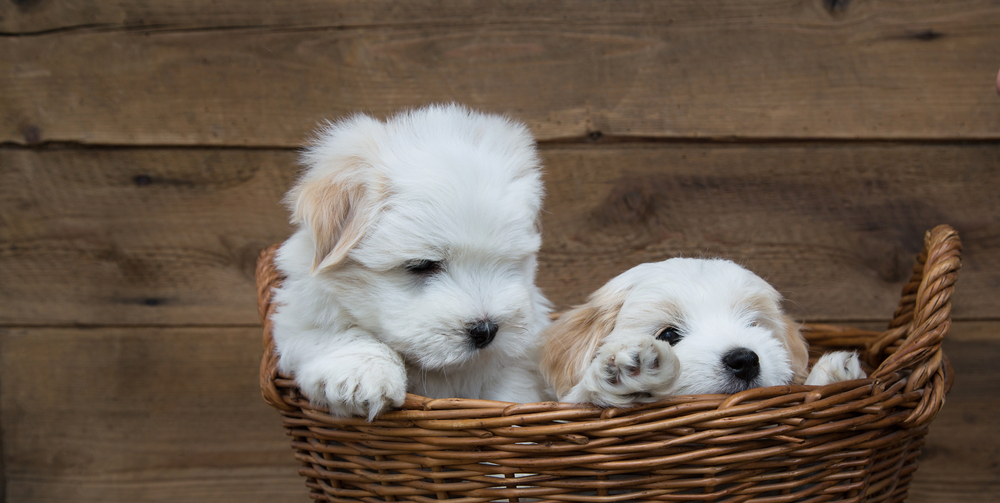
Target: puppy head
[(724, 323), (425, 230)]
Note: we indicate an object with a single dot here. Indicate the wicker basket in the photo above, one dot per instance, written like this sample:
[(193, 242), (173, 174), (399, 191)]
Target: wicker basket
[(851, 441)]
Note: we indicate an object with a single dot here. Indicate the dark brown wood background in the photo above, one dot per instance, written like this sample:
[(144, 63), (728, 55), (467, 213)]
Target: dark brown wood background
[(144, 147)]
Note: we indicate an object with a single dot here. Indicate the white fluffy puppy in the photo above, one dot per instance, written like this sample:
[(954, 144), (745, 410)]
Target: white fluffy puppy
[(681, 326), (413, 264)]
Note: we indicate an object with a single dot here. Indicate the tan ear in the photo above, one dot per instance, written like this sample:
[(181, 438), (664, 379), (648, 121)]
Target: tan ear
[(571, 342), (337, 211), (798, 350)]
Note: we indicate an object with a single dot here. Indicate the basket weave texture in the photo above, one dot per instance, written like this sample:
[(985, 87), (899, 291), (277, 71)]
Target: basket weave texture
[(849, 441)]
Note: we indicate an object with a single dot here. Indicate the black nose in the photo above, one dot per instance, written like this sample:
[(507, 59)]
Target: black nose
[(482, 333), (743, 363)]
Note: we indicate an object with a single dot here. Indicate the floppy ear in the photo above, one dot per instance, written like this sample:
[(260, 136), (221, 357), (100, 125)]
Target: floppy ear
[(337, 210), (570, 343), (798, 350)]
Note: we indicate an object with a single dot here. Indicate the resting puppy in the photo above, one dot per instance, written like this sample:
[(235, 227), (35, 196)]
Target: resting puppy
[(681, 326), (413, 265)]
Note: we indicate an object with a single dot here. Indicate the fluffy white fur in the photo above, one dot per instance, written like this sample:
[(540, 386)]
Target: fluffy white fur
[(835, 367), (410, 233), (614, 350)]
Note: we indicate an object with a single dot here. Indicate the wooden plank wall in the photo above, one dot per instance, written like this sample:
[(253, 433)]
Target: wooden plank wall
[(145, 145)]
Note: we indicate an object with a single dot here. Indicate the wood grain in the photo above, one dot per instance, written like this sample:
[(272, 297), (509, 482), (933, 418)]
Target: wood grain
[(885, 70), (170, 236), (24, 17), (146, 415), (33, 17), (174, 414), (138, 236)]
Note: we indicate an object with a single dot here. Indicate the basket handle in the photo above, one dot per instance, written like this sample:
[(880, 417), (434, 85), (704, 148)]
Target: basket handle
[(268, 278), (919, 325)]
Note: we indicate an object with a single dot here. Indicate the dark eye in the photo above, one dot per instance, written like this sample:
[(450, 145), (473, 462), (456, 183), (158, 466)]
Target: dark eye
[(423, 267), (671, 335)]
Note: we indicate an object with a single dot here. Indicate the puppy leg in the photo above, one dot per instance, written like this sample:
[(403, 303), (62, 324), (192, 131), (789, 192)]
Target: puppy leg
[(627, 370), (352, 374), (835, 367)]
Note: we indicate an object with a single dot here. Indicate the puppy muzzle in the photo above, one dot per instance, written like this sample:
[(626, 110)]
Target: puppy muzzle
[(742, 363), (481, 334)]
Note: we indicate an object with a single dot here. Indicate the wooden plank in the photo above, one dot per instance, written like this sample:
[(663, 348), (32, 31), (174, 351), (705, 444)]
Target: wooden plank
[(138, 236), (147, 414), (170, 236), (885, 70), (21, 17), (32, 17), (140, 414)]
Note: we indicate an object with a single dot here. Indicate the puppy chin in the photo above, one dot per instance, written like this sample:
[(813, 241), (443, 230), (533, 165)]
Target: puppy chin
[(454, 351), (454, 357), (734, 385), (777, 373), (714, 383), (718, 381)]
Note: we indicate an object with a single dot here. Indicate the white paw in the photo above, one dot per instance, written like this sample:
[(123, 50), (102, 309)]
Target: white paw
[(835, 367), (626, 371), (359, 385)]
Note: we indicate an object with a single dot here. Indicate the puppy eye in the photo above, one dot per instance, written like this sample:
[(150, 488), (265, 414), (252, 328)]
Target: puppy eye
[(423, 267), (671, 335), (753, 324)]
